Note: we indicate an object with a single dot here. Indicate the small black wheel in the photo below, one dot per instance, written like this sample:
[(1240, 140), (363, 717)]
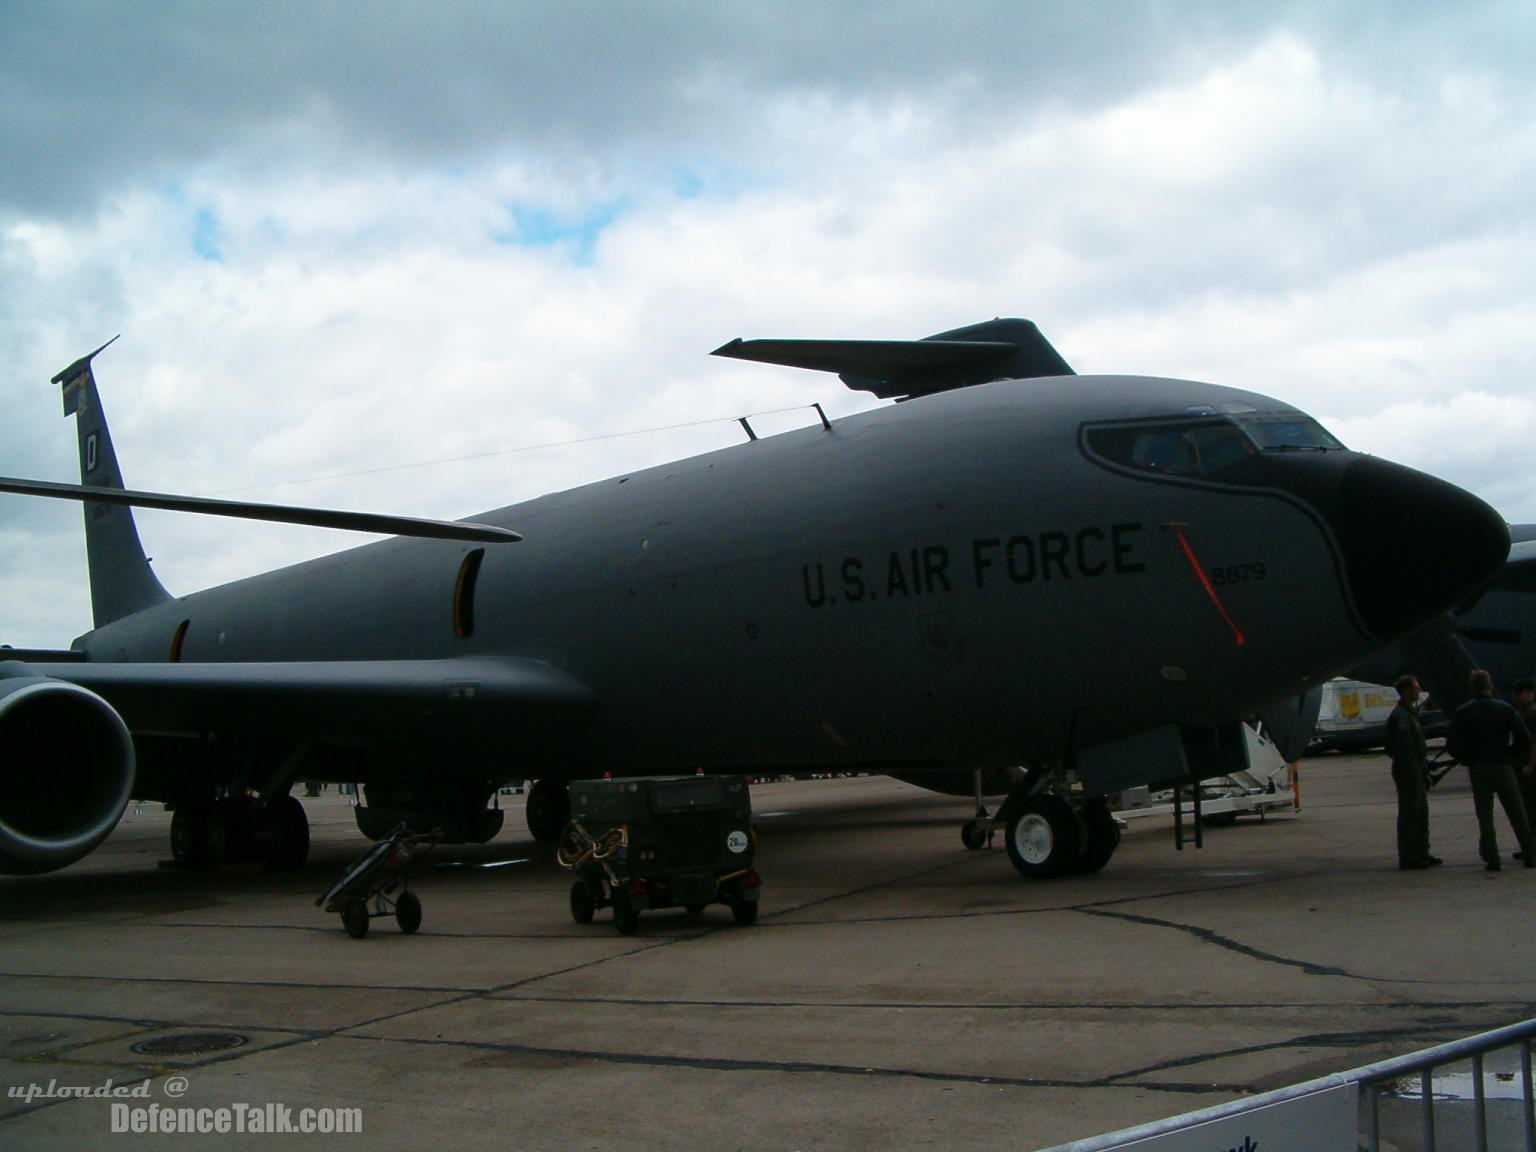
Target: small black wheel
[(582, 907), (694, 909), (354, 917), (973, 833), (625, 918), (744, 911), (408, 912)]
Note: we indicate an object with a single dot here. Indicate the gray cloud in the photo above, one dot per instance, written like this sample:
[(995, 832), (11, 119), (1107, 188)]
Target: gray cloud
[(92, 93)]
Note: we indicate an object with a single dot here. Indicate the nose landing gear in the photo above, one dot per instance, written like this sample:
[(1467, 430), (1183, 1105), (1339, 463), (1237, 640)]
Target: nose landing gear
[(1047, 831)]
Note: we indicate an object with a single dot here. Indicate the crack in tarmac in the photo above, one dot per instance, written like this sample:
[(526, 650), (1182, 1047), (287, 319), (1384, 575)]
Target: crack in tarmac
[(1207, 936)]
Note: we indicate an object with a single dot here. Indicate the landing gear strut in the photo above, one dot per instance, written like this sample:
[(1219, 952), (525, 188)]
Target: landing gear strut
[(977, 831)]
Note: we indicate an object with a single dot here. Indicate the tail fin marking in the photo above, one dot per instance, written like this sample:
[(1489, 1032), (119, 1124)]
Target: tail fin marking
[(122, 582)]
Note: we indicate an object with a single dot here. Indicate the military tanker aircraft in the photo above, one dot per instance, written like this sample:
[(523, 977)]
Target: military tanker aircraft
[(1093, 577)]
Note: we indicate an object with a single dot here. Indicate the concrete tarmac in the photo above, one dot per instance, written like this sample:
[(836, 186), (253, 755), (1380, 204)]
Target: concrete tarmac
[(897, 992)]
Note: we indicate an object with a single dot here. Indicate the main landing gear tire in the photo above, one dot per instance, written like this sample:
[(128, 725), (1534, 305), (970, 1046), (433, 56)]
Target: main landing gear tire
[(1102, 836), (208, 833), (548, 810), (1044, 839), (287, 830), (197, 835)]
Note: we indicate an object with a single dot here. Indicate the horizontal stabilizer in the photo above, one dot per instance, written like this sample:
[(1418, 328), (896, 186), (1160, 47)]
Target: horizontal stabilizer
[(41, 655), (73, 377), (277, 513), (1009, 349)]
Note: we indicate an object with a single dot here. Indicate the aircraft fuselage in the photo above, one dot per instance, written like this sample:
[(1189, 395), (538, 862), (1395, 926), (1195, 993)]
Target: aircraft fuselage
[(971, 578)]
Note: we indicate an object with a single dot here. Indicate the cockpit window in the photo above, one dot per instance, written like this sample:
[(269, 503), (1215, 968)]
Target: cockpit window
[(1182, 448), (1204, 444), (1293, 433)]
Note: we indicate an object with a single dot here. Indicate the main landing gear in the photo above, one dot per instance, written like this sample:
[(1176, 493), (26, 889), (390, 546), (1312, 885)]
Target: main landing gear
[(1047, 833), (207, 833), (547, 809)]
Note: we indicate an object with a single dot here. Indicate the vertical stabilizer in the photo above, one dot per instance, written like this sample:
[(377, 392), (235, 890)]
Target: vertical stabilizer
[(121, 580)]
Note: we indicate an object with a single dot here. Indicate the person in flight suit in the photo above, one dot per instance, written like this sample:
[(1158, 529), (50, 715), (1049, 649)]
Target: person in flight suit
[(1522, 695), (1410, 776), (1484, 733)]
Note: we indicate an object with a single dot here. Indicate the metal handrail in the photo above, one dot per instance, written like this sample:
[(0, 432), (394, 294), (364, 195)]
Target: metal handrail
[(1367, 1079)]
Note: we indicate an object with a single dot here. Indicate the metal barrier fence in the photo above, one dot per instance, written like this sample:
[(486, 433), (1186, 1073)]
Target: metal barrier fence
[(1346, 1110)]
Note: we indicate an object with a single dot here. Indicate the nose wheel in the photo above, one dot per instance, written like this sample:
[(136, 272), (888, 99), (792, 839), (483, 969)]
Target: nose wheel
[(1046, 833), (1044, 838)]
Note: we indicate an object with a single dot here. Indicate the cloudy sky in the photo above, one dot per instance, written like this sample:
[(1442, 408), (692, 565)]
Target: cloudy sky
[(431, 258)]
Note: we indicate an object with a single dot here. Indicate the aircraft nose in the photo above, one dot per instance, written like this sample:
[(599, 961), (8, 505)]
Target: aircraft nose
[(1414, 546)]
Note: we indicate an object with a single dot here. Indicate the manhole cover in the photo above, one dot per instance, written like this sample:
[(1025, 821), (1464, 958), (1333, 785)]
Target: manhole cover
[(189, 1044)]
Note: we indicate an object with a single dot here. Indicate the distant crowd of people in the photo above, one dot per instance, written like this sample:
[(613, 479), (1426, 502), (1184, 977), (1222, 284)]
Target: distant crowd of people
[(1493, 738)]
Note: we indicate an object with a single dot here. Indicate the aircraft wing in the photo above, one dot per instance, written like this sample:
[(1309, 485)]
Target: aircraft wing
[(348, 700), (275, 513)]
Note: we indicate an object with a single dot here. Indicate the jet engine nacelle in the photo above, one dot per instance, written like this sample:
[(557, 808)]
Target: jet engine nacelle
[(66, 773)]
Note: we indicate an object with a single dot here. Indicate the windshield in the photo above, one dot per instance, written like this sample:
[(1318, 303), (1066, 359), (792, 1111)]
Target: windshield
[(1203, 444), (1290, 432)]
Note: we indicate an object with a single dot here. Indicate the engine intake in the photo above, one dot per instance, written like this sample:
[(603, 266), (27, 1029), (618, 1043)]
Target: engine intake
[(66, 773)]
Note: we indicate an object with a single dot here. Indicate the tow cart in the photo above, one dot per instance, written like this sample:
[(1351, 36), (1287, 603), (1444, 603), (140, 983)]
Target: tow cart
[(660, 842), (369, 886)]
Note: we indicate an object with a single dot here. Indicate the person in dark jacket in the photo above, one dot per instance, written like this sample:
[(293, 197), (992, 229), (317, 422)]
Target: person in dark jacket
[(1485, 731), (1410, 776)]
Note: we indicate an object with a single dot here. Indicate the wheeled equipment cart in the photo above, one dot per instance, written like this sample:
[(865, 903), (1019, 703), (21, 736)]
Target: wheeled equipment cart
[(371, 882), (660, 842)]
